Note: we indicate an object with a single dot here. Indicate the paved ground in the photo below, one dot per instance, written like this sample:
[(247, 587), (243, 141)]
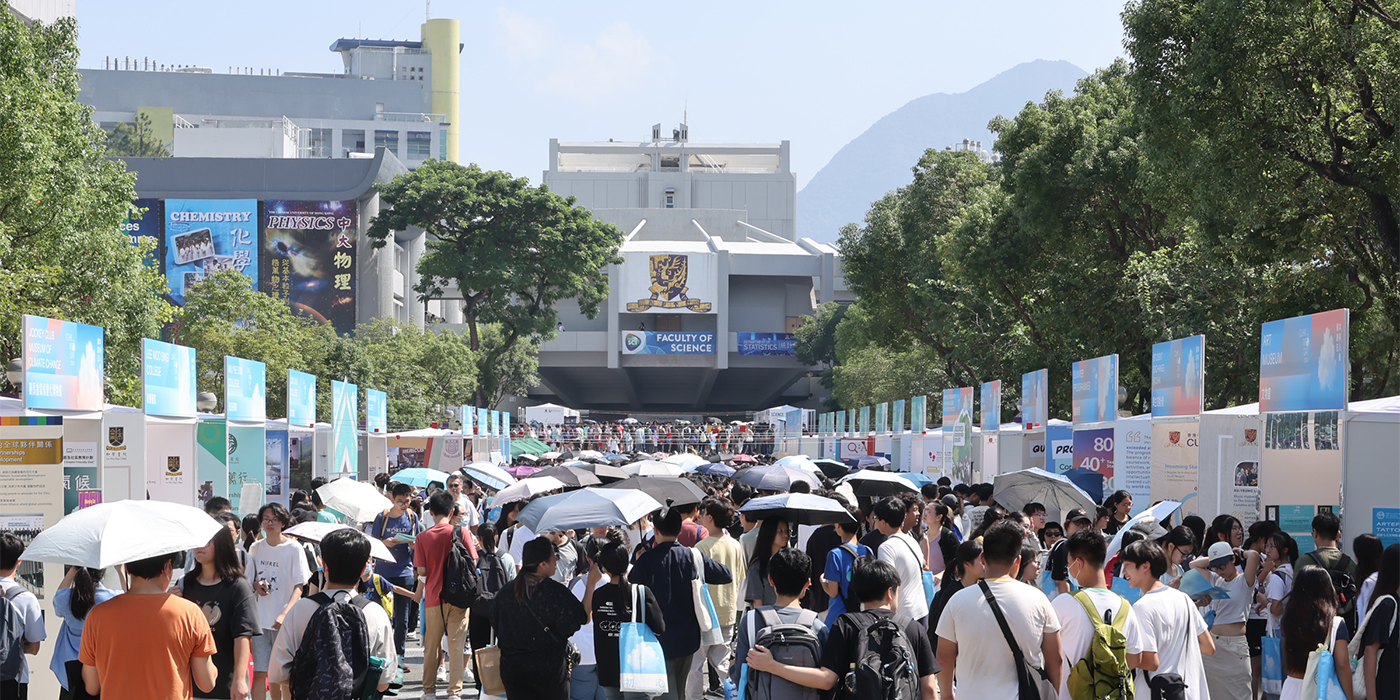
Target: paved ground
[(413, 679)]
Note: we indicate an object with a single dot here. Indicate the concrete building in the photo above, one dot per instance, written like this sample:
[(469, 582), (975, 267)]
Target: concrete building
[(45, 11), (402, 96), (715, 279)]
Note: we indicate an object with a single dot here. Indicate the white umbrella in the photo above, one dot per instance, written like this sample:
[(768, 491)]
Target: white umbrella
[(1160, 512), (587, 508), (527, 488), (550, 455), (588, 454), (114, 533), (357, 500), (317, 531), (802, 462), (687, 459), (489, 474), (651, 467), (1054, 491)]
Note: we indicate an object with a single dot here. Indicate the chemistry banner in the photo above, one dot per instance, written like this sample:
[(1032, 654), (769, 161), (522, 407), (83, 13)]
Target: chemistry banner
[(308, 258), (1095, 390), (345, 415), (667, 343), (167, 379), (204, 236), (991, 406), (1176, 464), (1303, 363), (1035, 405), (64, 364), (245, 389), (770, 344), (1179, 377), (301, 399), (669, 282), (376, 412)]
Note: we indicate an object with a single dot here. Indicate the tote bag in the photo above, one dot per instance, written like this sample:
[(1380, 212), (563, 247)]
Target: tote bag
[(643, 664), (1320, 680), (1271, 665), (710, 632)]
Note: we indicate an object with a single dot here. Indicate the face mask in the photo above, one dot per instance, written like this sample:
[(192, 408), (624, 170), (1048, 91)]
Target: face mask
[(1074, 581)]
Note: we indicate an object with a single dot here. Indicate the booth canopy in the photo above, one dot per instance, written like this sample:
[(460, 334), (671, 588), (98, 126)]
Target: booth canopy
[(527, 445)]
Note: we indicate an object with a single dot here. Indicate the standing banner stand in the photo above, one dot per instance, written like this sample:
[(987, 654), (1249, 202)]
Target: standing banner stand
[(989, 441), (168, 386), (1035, 414), (301, 459), (245, 407), (320, 467), (276, 462), (211, 458), (1094, 409), (123, 454), (1229, 462), (1132, 459)]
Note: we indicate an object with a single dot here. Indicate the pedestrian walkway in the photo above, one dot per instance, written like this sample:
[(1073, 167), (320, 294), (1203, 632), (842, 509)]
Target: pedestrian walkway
[(413, 678)]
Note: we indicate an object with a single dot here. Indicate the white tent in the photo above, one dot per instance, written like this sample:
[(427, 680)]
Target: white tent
[(550, 414), (1370, 480)]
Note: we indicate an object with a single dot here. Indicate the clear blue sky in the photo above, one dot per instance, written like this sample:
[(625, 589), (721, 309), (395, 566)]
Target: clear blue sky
[(815, 73)]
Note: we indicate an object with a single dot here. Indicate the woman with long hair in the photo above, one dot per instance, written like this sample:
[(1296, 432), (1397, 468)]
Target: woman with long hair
[(1310, 620), (773, 535), (611, 607), (1178, 546), (1257, 625), (534, 617), (1368, 549), (1379, 636), (1225, 528), (942, 543), (252, 527), (965, 570), (79, 592), (1119, 505), (218, 587), (1197, 526)]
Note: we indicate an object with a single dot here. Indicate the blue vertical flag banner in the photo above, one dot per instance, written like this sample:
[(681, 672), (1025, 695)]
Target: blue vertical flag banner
[(495, 424), (204, 236), (345, 415), (840, 422), (64, 365), (918, 415), (991, 405), (301, 398), (1303, 363), (1179, 377), (864, 420), (482, 421), (245, 389), (957, 425), (882, 412), (1094, 398), (467, 413), (167, 379), (1035, 404), (897, 422), (376, 412)]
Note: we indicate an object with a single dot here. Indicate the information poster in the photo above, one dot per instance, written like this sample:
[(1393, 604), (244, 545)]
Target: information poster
[(1035, 406), (1303, 363), (1094, 398), (376, 412), (1385, 523), (991, 405), (170, 461), (301, 450), (345, 415), (167, 372), (882, 412), (1244, 495), (1178, 377), (1059, 440), (1033, 451), (247, 466), (308, 258), (123, 455), (897, 423), (301, 399), (245, 389), (64, 365), (82, 484), (205, 236), (275, 455), (1176, 464), (1093, 450), (1301, 458), (1132, 444), (212, 459), (1296, 520)]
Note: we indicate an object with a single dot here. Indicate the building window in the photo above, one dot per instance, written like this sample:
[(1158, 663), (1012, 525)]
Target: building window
[(388, 140), (320, 143), (442, 144), (353, 140), (670, 198), (420, 144)]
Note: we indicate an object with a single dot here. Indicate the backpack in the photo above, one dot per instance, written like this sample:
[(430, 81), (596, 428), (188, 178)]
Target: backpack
[(1103, 673), (11, 635), (493, 573), (332, 661), (885, 665), (851, 601), (794, 644), (1344, 583), (460, 583)]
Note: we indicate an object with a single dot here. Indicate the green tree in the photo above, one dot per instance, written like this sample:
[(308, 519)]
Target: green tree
[(136, 139), (816, 343), (62, 203), (426, 375), (512, 250), (513, 370)]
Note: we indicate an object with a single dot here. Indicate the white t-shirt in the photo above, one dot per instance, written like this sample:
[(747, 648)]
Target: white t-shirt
[(284, 568), (1368, 589), (517, 537), (1170, 625), (33, 616), (985, 666), (902, 551), (584, 636), (377, 623), (1076, 631), (1236, 607), (1279, 584)]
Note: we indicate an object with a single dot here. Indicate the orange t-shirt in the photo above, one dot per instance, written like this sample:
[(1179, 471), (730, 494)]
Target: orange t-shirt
[(142, 645)]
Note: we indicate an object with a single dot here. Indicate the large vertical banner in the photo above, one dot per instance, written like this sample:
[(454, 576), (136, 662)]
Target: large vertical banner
[(957, 432), (211, 459), (275, 454), (147, 226), (897, 423), (204, 236), (882, 422), (1093, 450), (301, 399), (840, 424), (1179, 377), (376, 412), (345, 414), (467, 413), (247, 466), (167, 379), (32, 477), (245, 389), (1035, 405), (64, 365), (1176, 464), (483, 422), (308, 258), (1303, 363), (864, 421), (991, 406), (171, 467), (1094, 398), (918, 415)]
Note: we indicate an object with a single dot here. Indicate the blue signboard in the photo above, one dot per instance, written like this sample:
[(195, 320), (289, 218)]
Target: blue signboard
[(991, 405), (1179, 377), (1035, 404), (345, 414), (64, 365), (301, 398), (1059, 448), (204, 236), (897, 421), (1385, 523), (481, 421), (667, 343), (772, 344), (1303, 363), (167, 379), (376, 412), (141, 226), (468, 413), (495, 423), (1094, 396), (245, 389)]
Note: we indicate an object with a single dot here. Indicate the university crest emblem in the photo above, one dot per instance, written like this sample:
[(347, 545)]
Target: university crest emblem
[(1250, 434), (668, 286), (116, 438), (1174, 436)]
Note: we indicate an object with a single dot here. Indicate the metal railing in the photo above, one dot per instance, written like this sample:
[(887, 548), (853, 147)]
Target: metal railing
[(423, 117)]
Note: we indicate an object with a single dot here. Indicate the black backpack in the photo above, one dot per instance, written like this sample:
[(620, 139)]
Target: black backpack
[(11, 635), (851, 600), (332, 661), (794, 644), (885, 667), (493, 573), (460, 582), (1344, 583)]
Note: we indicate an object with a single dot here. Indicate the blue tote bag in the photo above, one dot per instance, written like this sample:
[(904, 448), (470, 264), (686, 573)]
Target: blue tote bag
[(643, 664)]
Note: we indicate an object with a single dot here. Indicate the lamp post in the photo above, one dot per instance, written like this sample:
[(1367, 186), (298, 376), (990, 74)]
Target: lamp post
[(206, 402)]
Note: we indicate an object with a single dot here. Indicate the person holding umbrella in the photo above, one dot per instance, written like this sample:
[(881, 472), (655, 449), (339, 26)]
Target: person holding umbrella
[(81, 590)]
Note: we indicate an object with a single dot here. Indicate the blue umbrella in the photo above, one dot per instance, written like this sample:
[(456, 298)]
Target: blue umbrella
[(1089, 480), (421, 477), (776, 477), (799, 508), (715, 469), (920, 480), (587, 508)]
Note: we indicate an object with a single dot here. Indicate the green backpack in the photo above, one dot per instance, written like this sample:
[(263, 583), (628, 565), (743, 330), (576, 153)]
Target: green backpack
[(1103, 673)]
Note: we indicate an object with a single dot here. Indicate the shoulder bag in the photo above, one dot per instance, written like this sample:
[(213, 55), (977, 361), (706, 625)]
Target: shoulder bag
[(711, 633), (1032, 682)]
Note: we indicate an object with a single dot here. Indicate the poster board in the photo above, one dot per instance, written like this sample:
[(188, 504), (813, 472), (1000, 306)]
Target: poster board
[(123, 455), (247, 466), (170, 460), (1176, 464)]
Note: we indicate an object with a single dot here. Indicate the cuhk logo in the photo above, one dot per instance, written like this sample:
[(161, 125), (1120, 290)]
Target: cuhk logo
[(1250, 434), (1174, 436), (633, 341)]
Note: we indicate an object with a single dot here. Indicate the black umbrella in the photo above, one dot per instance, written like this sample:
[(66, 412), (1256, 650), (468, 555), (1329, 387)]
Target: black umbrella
[(832, 468), (776, 477), (798, 508), (878, 484), (679, 491), (605, 472), (570, 475)]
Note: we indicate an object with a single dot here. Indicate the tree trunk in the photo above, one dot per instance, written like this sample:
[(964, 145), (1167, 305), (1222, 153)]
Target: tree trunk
[(1383, 213)]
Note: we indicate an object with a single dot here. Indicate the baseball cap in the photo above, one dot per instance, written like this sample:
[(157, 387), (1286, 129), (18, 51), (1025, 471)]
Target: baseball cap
[(950, 500), (1220, 553), (1078, 514)]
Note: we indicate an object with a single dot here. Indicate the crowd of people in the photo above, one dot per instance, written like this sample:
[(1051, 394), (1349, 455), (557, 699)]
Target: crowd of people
[(713, 437), (937, 593)]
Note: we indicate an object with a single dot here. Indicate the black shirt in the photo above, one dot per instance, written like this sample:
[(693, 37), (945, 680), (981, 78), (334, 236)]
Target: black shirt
[(1058, 563), (873, 540), (667, 569), (940, 601), (232, 611), (1378, 631), (612, 606), (823, 540), (533, 635), (844, 637)]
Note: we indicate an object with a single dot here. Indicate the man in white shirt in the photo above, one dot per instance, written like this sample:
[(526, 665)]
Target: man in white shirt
[(901, 551), (345, 553), (1087, 551), (1174, 635), (277, 570), (971, 639), (461, 492), (11, 547)]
